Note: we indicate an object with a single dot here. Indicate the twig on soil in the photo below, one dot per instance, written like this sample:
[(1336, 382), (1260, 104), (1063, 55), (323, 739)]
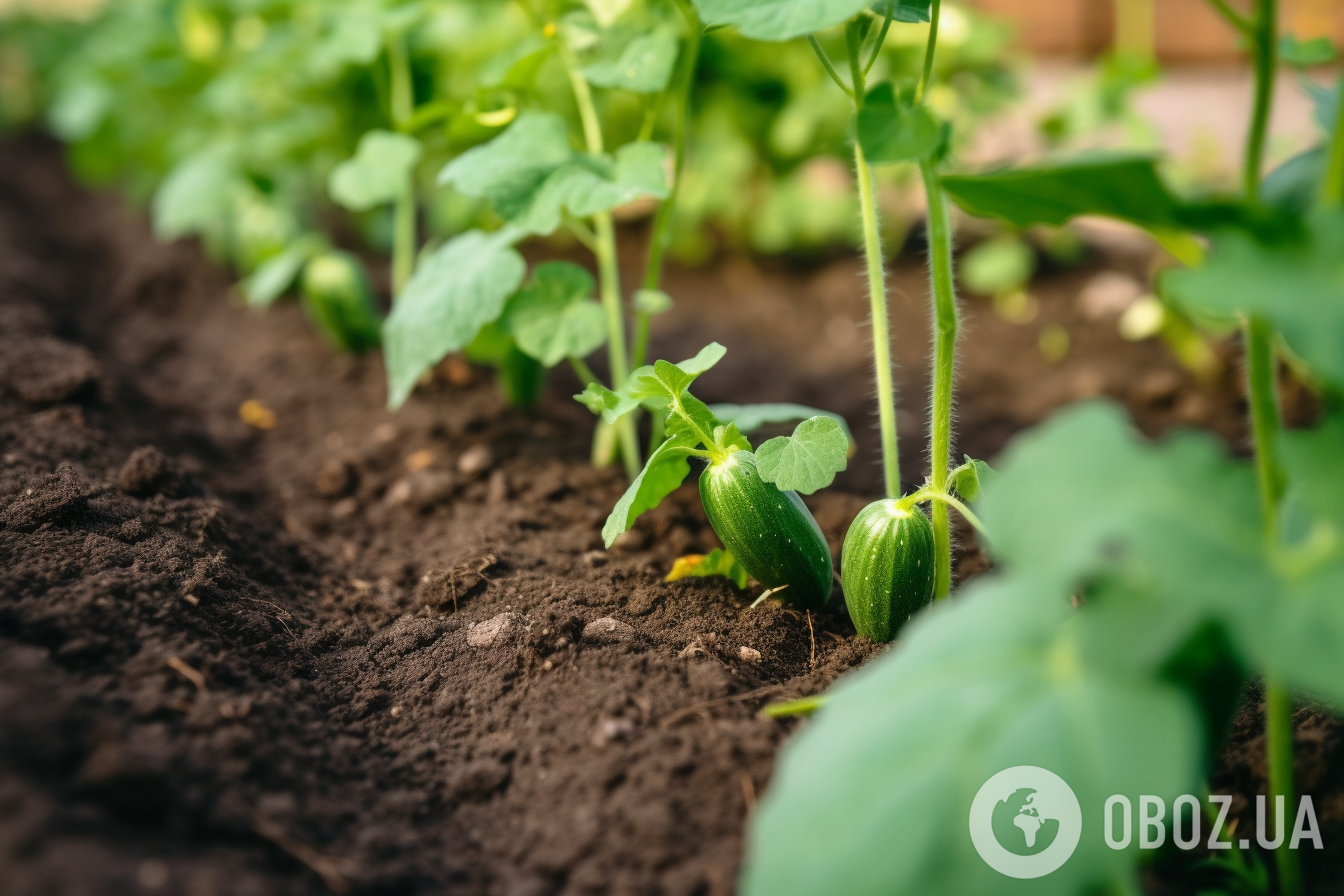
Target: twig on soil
[(812, 636), (689, 711), (283, 614), (749, 792), (178, 665), (323, 867)]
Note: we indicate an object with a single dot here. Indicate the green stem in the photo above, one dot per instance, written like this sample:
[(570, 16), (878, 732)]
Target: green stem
[(942, 497), (828, 65), (607, 265), (802, 707), (1233, 18), (881, 39), (877, 297), (583, 371), (946, 324), (935, 16), (1332, 188), (1279, 727), (1266, 424), (404, 210), (682, 81), (1264, 47)]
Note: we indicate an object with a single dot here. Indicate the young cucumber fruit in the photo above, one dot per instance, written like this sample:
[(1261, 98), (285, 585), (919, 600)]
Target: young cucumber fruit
[(886, 567), (339, 302), (770, 532)]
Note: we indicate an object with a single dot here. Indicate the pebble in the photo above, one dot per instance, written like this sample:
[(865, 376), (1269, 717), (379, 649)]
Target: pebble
[(143, 471), (609, 730), (749, 654), (608, 631), (595, 558), (475, 460), (1108, 294), (497, 492), (422, 489), (335, 478), (494, 630)]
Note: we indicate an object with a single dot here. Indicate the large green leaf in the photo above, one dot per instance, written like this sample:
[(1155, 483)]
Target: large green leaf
[(455, 292), (873, 797), (198, 195), (778, 19), (553, 317), (531, 175), (1114, 185), (378, 174), (1297, 284), (806, 461), (644, 65), (893, 128)]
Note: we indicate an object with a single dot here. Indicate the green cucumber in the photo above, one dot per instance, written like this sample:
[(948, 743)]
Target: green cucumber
[(886, 567), (339, 302), (770, 532)]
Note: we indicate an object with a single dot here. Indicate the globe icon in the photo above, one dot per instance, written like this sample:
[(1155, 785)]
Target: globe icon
[(1019, 826)]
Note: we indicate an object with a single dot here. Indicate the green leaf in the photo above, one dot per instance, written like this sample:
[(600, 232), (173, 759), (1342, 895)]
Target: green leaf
[(969, 479), (652, 302), (895, 129), (531, 176), (197, 196), (998, 266), (1307, 53), (717, 562), (911, 12), (611, 405), (1295, 284), (665, 470), (1314, 461), (378, 174), (1296, 184), (751, 417), (807, 460), (553, 317), (776, 20), (1115, 185), (455, 292), (873, 797), (666, 380), (276, 275), (643, 66)]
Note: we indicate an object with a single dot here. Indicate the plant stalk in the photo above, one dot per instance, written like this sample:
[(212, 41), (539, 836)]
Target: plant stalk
[(1266, 424), (1332, 187), (946, 324), (403, 212), (608, 268), (682, 82), (877, 292)]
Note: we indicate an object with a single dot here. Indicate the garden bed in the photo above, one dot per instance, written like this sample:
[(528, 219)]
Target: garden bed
[(375, 653)]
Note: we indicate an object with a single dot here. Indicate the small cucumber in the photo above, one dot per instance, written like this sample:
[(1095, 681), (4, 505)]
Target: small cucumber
[(339, 302), (886, 567), (770, 532)]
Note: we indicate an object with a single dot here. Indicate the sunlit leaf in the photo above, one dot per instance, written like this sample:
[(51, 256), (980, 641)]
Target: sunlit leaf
[(751, 417), (807, 460), (197, 196), (643, 66), (553, 317), (895, 129), (665, 470), (778, 19), (378, 174), (455, 291), (717, 562)]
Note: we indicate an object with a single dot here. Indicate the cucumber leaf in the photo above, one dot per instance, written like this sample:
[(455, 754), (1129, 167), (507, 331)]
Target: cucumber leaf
[(751, 417), (553, 317), (197, 195), (911, 12), (665, 470), (456, 291), (276, 275), (876, 790), (717, 562), (1115, 185), (1307, 53), (776, 20), (643, 66), (1294, 283), (807, 460), (532, 176), (969, 479), (893, 128), (379, 172)]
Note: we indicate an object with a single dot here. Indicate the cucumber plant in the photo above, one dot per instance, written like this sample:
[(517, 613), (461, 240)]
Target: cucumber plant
[(894, 568), (1138, 585), (751, 497)]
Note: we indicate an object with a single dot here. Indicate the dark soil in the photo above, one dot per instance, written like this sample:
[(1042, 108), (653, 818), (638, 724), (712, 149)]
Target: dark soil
[(340, 649)]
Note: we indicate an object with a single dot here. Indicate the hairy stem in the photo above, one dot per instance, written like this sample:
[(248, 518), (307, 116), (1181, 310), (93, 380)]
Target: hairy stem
[(926, 75), (607, 265), (945, 326), (403, 212), (682, 82)]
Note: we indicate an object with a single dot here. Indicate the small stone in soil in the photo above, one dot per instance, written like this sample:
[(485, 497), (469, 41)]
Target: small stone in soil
[(475, 460), (335, 478), (498, 490), (595, 558), (609, 730), (608, 631), (749, 654), (422, 489), (143, 471), (494, 630), (1108, 294)]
